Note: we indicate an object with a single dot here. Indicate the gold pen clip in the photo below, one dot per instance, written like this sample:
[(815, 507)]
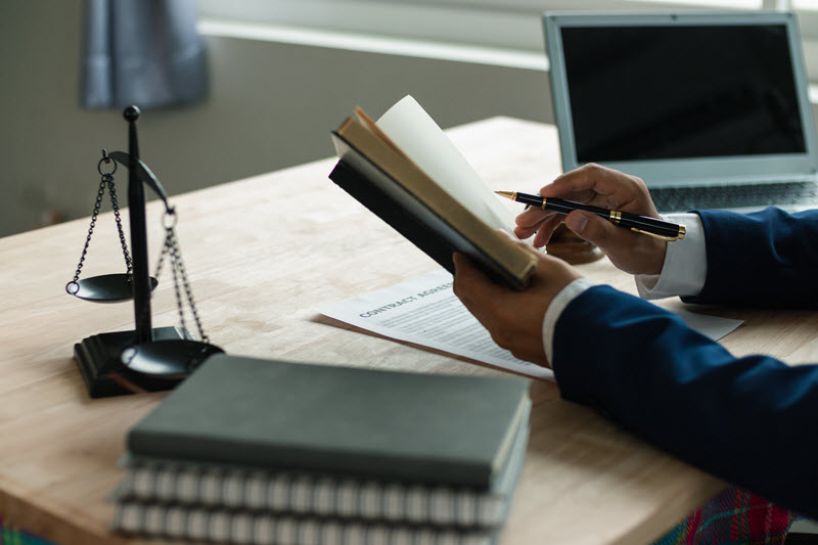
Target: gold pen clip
[(680, 236)]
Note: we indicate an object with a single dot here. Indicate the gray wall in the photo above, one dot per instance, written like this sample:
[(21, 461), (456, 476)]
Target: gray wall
[(271, 105)]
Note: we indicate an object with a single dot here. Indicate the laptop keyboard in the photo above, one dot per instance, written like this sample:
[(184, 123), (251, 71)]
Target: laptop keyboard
[(786, 194)]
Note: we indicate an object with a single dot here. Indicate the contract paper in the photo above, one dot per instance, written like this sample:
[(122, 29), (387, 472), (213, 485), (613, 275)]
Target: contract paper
[(425, 311)]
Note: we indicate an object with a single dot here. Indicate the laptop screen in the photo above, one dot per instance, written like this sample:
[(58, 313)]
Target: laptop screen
[(678, 92)]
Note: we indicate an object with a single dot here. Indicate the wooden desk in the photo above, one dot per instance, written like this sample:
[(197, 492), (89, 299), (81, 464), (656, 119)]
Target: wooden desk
[(264, 255)]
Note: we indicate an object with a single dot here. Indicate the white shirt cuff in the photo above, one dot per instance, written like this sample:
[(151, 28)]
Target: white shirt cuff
[(558, 304), (685, 268)]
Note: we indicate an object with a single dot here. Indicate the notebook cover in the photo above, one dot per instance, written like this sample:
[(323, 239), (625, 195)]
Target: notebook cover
[(386, 425)]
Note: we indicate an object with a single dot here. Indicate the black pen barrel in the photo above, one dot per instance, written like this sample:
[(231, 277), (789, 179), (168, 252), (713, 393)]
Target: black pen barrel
[(566, 207), (651, 225), (525, 198), (623, 219)]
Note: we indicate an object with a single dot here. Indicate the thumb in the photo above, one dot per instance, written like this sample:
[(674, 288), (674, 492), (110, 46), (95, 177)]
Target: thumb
[(592, 228)]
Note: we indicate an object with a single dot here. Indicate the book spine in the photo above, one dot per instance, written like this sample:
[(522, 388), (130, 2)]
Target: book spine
[(224, 526), (294, 493), (197, 449)]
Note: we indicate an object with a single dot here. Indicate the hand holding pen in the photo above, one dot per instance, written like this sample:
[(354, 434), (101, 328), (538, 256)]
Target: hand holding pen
[(607, 189), (644, 225)]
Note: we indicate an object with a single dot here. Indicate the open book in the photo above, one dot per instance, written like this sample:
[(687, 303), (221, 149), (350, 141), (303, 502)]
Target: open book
[(407, 171)]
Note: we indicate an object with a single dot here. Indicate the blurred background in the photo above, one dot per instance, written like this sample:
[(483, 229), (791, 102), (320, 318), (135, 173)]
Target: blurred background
[(234, 89)]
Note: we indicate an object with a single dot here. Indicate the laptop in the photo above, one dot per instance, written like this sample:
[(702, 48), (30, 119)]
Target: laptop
[(710, 109)]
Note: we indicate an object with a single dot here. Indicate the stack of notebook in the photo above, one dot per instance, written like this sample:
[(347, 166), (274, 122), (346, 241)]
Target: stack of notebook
[(253, 451)]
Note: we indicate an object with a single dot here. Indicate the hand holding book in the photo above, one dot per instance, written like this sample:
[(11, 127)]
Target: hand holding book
[(514, 319)]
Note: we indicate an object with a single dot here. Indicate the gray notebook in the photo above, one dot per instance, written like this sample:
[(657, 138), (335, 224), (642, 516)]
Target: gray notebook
[(396, 426)]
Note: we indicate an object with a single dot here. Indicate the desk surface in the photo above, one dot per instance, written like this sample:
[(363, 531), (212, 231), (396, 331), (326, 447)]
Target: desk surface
[(262, 263)]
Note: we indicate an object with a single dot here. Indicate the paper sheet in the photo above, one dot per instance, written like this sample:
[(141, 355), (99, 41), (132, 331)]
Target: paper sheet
[(714, 327), (425, 311), (409, 126)]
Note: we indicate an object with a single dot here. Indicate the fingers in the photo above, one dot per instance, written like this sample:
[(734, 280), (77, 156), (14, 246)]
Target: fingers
[(546, 230), (565, 191), (598, 230), (479, 294), (628, 251), (591, 177), (531, 217), (472, 286), (536, 220), (601, 186)]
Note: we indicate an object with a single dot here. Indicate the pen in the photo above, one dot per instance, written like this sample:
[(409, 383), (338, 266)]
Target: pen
[(638, 224)]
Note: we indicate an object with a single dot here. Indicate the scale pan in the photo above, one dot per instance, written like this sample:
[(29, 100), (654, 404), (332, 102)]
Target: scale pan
[(106, 288), (169, 360)]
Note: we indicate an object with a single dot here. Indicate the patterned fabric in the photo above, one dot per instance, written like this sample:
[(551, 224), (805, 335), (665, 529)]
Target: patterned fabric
[(10, 536), (734, 517)]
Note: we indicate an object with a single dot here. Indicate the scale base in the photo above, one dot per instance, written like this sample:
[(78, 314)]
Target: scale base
[(98, 358)]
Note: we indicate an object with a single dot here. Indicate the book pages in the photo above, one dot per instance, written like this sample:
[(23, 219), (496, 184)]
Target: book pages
[(409, 126)]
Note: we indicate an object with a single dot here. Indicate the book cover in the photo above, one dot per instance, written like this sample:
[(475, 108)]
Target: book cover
[(453, 212), (386, 425)]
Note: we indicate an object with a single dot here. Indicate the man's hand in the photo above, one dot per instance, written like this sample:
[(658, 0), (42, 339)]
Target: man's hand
[(514, 318), (600, 186)]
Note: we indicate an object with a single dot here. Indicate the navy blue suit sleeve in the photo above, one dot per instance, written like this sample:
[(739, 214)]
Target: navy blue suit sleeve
[(768, 258), (751, 421)]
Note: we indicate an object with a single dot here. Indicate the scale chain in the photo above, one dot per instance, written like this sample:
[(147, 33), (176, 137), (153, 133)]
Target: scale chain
[(170, 251), (120, 230), (175, 272), (176, 255), (106, 180), (94, 214)]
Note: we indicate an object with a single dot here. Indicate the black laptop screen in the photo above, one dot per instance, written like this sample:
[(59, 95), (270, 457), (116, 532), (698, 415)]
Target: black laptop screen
[(673, 92)]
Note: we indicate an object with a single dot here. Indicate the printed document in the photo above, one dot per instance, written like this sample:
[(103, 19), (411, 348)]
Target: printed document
[(425, 311)]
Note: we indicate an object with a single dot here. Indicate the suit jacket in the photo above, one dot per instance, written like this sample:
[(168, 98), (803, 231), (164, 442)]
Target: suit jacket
[(752, 421)]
